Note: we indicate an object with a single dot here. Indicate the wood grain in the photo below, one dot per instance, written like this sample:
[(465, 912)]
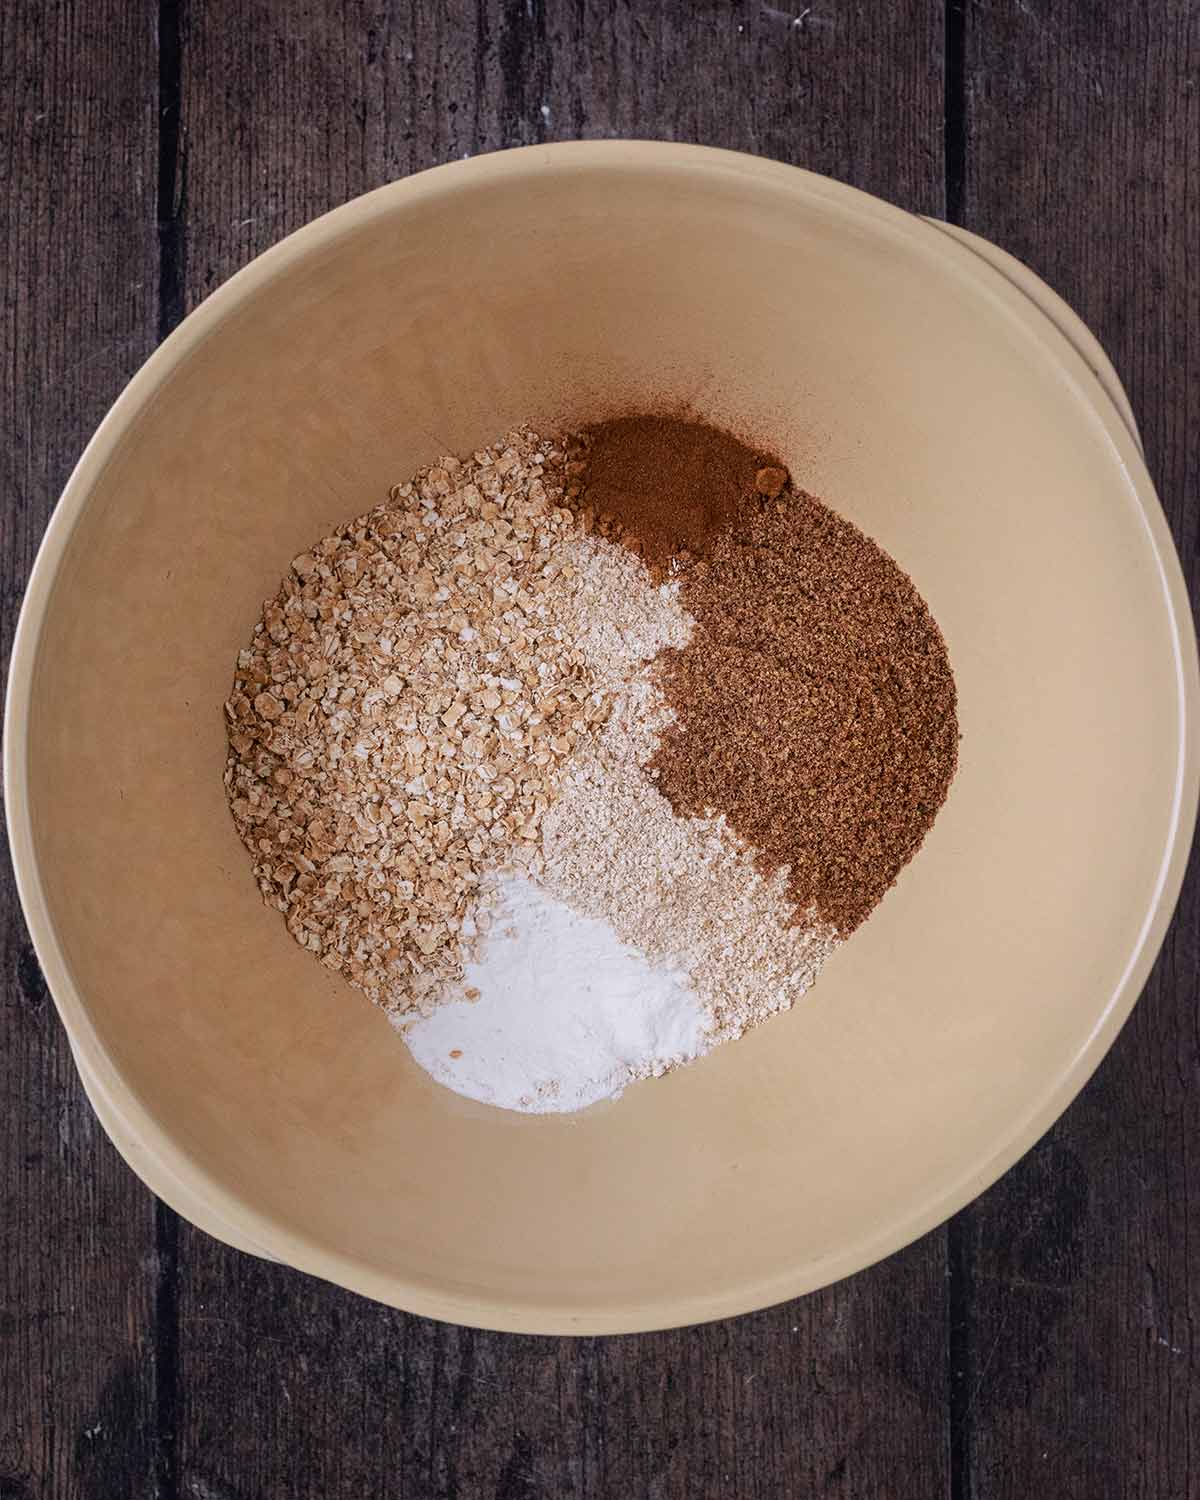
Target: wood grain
[(1076, 1344), (79, 268), (292, 1388)]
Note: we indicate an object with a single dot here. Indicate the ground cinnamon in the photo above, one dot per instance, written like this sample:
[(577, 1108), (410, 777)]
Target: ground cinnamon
[(673, 484)]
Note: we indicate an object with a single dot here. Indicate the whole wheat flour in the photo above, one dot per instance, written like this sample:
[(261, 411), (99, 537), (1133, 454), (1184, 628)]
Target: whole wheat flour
[(684, 892)]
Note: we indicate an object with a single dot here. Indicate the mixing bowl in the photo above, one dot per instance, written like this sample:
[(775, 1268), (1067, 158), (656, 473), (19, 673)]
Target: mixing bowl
[(940, 398)]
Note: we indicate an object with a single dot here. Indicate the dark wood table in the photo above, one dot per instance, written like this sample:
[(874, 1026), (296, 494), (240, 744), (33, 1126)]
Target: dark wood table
[(1044, 1343)]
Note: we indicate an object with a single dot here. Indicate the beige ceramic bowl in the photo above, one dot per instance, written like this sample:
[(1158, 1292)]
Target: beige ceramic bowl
[(933, 392)]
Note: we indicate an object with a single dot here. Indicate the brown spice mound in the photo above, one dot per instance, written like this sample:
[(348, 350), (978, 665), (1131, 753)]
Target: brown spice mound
[(815, 705), (672, 484)]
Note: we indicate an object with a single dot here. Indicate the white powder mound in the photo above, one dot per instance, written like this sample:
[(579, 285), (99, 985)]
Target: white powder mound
[(566, 1014)]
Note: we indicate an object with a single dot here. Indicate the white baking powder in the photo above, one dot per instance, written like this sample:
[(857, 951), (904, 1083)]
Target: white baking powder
[(566, 1014)]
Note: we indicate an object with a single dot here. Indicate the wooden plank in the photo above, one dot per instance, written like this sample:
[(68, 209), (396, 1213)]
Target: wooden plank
[(289, 1387), (1076, 1362), (284, 120), (78, 1272), (294, 1388)]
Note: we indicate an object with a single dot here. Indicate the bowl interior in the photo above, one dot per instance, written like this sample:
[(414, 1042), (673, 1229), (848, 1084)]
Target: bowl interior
[(920, 401)]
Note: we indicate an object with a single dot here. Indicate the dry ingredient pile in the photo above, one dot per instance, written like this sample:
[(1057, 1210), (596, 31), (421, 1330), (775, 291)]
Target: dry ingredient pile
[(579, 757)]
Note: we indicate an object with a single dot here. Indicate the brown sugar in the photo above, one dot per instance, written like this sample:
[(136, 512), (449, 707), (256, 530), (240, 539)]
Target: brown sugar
[(815, 706), (771, 482)]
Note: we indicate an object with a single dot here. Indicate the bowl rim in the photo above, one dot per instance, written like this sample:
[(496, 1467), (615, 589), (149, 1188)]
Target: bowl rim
[(1065, 318), (146, 1141)]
